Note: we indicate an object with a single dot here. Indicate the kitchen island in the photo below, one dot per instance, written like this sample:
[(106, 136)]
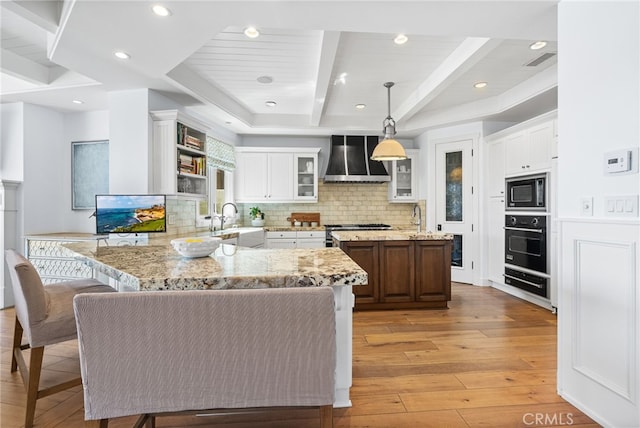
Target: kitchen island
[(406, 269), (153, 265)]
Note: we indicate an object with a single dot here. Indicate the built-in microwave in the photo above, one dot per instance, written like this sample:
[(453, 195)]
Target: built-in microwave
[(527, 193)]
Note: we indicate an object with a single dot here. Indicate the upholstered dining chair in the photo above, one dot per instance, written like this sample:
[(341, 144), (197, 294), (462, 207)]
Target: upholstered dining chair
[(44, 314)]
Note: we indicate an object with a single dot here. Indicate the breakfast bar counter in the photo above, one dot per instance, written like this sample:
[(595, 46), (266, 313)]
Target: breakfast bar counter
[(154, 265)]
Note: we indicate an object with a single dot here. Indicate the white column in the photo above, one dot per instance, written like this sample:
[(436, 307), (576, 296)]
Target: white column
[(9, 234), (344, 353)]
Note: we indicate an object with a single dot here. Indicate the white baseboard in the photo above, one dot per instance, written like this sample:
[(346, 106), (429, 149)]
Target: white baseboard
[(516, 292)]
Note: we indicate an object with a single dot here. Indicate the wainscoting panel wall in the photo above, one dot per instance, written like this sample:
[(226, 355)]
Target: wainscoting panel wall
[(599, 319)]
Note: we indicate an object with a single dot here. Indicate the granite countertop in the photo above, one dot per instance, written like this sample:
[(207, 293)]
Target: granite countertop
[(294, 228), (65, 236), (389, 235), (232, 232), (155, 265)]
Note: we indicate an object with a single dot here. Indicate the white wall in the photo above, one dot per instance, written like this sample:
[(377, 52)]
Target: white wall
[(598, 99), (44, 184), (90, 126), (11, 137), (599, 284), (129, 142)]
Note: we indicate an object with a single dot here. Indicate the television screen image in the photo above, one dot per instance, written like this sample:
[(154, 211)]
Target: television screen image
[(130, 214)]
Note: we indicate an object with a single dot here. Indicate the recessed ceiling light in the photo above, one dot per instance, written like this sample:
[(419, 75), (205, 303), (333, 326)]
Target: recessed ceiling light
[(122, 55), (251, 32), (480, 85), (160, 10), (361, 106), (265, 79), (537, 45), (270, 103), (400, 39), (77, 102)]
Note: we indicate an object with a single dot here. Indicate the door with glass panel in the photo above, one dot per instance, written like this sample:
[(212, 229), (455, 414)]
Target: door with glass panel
[(454, 206)]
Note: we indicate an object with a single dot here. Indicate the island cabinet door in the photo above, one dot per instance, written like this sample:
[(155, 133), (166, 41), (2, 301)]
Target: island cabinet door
[(397, 273), (365, 254), (433, 271)]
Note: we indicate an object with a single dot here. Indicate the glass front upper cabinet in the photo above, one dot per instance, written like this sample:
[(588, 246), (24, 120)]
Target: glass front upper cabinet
[(404, 173), (306, 176)]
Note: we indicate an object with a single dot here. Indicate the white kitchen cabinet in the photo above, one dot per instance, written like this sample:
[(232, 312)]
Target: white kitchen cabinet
[(285, 239), (264, 177), (295, 239), (495, 169), (403, 186), (178, 153), (495, 239), (529, 150), (306, 176), (276, 175), (310, 239)]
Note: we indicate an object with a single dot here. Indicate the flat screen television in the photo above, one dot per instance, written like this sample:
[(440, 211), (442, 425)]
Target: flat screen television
[(130, 214)]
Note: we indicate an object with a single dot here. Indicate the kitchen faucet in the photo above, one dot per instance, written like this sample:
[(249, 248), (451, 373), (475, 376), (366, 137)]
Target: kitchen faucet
[(222, 217), (418, 210)]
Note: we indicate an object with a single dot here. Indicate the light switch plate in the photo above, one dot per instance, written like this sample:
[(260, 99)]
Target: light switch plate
[(586, 206), (621, 206)]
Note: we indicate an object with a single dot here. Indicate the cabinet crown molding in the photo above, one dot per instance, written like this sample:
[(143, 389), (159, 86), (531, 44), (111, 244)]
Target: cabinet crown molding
[(278, 149), (177, 115), (546, 117)]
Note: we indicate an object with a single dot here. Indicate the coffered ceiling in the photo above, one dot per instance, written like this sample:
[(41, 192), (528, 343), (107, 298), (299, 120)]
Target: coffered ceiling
[(315, 59)]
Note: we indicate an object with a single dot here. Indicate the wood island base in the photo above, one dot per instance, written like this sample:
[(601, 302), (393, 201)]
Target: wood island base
[(410, 273)]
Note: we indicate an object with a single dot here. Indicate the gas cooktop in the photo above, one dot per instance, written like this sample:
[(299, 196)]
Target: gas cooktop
[(365, 226)]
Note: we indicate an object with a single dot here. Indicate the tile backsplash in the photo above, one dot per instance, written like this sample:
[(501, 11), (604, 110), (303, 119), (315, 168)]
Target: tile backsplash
[(338, 203), (183, 214)]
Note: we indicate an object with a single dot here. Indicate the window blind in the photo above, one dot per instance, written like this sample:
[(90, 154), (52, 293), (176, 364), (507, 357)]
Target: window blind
[(220, 155)]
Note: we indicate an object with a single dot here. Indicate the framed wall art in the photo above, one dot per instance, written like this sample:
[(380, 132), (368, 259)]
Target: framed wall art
[(89, 172)]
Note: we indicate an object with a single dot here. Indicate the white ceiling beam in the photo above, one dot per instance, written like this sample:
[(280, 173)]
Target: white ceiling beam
[(536, 86), (23, 68), (201, 89), (465, 56), (44, 14), (330, 42)]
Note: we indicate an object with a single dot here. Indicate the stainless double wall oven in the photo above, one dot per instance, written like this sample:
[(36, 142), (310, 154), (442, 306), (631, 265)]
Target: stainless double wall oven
[(526, 235)]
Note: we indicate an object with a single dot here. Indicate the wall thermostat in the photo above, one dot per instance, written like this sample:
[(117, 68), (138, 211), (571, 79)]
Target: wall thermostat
[(618, 161)]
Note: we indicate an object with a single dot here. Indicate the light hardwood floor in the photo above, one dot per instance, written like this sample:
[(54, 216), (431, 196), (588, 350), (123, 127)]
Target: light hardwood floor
[(487, 361)]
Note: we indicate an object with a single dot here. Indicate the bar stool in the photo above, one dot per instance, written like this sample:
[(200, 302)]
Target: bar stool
[(44, 314)]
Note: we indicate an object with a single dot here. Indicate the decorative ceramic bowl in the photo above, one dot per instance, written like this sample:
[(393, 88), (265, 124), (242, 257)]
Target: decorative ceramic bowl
[(196, 247)]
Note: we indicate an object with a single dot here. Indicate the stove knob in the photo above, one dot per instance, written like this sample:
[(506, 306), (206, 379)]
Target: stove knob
[(513, 221), (535, 221)]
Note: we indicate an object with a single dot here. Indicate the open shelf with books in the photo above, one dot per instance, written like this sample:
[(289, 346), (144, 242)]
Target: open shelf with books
[(180, 159)]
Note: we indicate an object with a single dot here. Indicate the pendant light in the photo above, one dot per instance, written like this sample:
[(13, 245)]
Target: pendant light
[(388, 149)]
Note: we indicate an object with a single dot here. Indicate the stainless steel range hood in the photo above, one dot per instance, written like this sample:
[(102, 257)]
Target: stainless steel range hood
[(350, 160)]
